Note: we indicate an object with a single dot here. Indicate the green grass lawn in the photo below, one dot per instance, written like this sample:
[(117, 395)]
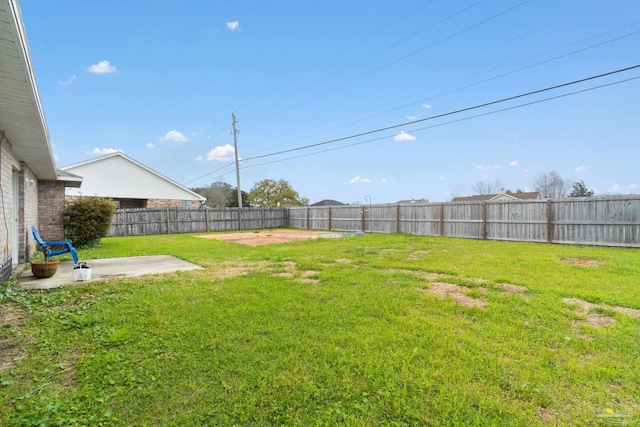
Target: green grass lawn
[(374, 330)]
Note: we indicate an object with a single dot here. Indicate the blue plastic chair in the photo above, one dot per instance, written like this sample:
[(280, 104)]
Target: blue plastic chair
[(46, 246)]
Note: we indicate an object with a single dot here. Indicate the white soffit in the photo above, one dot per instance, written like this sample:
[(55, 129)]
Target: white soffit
[(21, 114)]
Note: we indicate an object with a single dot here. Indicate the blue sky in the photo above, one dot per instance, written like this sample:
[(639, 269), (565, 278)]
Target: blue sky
[(159, 80)]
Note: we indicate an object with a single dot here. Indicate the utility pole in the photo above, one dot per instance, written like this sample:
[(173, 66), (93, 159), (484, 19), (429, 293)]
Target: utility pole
[(235, 149)]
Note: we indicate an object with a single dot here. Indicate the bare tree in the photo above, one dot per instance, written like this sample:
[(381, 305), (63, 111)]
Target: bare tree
[(487, 187), (552, 186)]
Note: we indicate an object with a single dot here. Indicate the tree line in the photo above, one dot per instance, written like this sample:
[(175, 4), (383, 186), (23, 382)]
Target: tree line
[(270, 193), (550, 186), (267, 193)]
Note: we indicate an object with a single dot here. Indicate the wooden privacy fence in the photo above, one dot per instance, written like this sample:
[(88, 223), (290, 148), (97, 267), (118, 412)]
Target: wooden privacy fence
[(137, 222), (613, 221), (586, 221)]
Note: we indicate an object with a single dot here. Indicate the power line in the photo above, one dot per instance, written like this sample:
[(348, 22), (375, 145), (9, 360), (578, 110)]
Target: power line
[(477, 24), (462, 110), (331, 58), (171, 160), (485, 80), (354, 64), (449, 122)]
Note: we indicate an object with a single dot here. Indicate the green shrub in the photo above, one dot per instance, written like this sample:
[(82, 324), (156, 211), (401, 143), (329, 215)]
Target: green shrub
[(87, 220)]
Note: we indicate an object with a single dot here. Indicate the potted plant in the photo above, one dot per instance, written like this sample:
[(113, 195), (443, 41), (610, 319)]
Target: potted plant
[(41, 266)]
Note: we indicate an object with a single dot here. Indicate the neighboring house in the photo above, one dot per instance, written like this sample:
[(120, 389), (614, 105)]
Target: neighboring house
[(411, 202), (502, 196), (129, 184), (31, 188), (328, 202)]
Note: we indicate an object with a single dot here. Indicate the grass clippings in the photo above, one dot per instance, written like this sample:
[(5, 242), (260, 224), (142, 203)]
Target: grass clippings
[(11, 319)]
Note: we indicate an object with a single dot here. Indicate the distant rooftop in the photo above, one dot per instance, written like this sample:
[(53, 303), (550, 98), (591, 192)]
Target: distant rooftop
[(328, 202), (532, 195)]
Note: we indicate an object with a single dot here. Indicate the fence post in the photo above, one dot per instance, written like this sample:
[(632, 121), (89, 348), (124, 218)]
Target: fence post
[(549, 221), (484, 220), (330, 218), (363, 218), (441, 219), (168, 221)]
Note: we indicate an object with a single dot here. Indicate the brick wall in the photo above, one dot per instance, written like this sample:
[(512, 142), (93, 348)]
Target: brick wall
[(51, 209), (158, 203), (145, 203)]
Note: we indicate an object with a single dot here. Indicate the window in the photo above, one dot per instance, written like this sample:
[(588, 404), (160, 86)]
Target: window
[(185, 204)]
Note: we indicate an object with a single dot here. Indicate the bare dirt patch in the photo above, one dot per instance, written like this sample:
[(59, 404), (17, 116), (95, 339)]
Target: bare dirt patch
[(426, 275), (449, 290), (238, 268), (584, 262), (265, 237), (511, 288), (343, 261), (599, 320), (292, 272), (585, 307), (290, 266), (286, 275)]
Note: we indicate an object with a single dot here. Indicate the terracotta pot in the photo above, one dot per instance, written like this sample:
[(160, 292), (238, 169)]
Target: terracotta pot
[(43, 270)]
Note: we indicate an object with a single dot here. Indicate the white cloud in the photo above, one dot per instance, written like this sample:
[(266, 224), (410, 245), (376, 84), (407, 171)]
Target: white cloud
[(104, 151), (615, 188), (233, 25), (427, 106), (222, 153), (359, 180), (412, 117), (514, 163), (176, 136), (383, 181), (581, 168), (632, 186), (488, 167), (404, 136), (149, 145), (67, 82), (102, 67), (199, 158)]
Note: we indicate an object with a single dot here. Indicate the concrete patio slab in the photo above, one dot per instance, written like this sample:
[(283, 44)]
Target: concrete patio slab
[(109, 268)]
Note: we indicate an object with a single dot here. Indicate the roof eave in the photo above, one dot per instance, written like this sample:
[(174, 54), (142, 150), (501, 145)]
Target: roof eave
[(22, 117)]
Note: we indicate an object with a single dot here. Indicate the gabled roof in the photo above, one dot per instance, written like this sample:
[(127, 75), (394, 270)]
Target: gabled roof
[(328, 202), (532, 195), (21, 114), (117, 175)]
